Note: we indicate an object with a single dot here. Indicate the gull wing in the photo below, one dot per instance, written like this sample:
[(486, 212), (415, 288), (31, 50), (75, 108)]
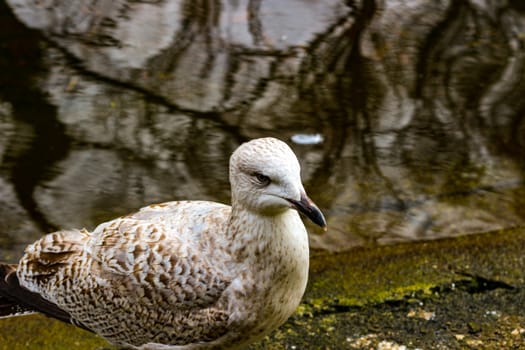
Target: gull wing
[(134, 280)]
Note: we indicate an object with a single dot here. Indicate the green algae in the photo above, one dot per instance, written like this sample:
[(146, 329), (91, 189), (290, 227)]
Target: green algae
[(39, 332), (380, 273)]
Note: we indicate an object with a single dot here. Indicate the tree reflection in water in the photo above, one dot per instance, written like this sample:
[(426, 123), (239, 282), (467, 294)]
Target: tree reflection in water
[(108, 106)]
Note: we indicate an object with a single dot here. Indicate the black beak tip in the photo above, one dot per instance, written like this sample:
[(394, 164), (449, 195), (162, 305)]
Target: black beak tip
[(307, 207), (317, 217)]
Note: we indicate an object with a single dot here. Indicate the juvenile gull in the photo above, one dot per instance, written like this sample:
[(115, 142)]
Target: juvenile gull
[(181, 275)]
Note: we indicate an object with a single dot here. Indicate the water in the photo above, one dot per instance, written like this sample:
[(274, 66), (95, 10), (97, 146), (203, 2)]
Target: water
[(419, 129)]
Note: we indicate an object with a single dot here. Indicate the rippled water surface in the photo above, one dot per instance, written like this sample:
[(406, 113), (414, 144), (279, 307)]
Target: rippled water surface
[(408, 121)]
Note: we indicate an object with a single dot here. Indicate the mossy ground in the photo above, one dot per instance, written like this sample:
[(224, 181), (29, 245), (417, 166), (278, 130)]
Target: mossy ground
[(461, 293), (39, 332)]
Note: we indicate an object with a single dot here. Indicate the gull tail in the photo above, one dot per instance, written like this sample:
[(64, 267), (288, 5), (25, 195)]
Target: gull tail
[(16, 300), (9, 306)]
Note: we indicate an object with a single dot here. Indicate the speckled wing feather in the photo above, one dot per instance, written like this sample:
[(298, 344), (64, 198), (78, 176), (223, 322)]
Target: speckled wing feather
[(137, 279)]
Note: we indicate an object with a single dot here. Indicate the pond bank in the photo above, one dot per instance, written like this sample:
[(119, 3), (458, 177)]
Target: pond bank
[(459, 293)]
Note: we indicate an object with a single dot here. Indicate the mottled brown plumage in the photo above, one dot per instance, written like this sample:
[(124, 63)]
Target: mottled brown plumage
[(181, 275)]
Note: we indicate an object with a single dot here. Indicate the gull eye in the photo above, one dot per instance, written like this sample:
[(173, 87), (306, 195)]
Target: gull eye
[(263, 180)]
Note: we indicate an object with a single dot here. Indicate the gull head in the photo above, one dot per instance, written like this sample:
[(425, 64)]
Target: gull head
[(265, 178)]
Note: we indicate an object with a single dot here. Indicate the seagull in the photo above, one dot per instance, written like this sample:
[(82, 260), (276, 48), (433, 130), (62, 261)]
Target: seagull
[(182, 274)]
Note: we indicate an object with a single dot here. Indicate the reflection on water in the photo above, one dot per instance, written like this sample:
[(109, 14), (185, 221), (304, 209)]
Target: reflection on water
[(417, 112)]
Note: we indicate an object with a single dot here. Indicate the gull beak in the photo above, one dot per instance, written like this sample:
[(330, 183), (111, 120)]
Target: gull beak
[(309, 209)]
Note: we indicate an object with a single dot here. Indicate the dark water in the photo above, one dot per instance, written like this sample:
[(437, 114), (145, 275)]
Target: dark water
[(413, 116)]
